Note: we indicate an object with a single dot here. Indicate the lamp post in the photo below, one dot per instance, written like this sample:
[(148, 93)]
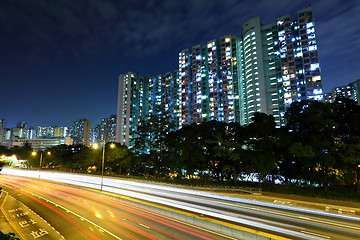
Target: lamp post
[(41, 157), (358, 180), (96, 146)]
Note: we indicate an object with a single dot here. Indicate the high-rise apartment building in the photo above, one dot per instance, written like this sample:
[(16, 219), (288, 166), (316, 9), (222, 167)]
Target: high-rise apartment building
[(352, 91), (61, 132), (2, 129), (141, 97), (131, 105), (2, 124), (80, 132), (107, 130), (94, 134), (19, 133), (209, 76), (281, 65), (265, 70), (45, 132), (21, 124), (328, 98)]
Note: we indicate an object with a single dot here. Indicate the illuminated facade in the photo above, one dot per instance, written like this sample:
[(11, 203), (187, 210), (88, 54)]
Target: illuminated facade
[(80, 132), (132, 105), (2, 124), (2, 129), (45, 132), (61, 131), (210, 75), (107, 130), (352, 91), (37, 144), (265, 70), (328, 98), (141, 97), (281, 65)]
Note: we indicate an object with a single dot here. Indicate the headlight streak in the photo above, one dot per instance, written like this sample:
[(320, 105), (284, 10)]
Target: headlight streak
[(90, 181), (58, 194), (111, 184), (56, 211)]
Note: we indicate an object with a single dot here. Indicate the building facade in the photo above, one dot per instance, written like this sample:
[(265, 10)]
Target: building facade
[(229, 79), (94, 134), (281, 65), (37, 144), (351, 91), (2, 129), (107, 130), (131, 105), (2, 124), (209, 76), (143, 97), (80, 132), (61, 131), (45, 132)]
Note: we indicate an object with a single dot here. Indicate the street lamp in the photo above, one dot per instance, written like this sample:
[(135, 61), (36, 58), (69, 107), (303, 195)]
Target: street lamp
[(41, 157), (96, 146), (358, 180)]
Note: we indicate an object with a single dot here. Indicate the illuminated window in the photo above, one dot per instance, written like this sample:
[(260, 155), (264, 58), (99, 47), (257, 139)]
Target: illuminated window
[(312, 48), (314, 66), (316, 78)]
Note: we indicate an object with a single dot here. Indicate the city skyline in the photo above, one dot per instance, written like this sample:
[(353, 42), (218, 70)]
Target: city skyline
[(67, 69), (230, 79)]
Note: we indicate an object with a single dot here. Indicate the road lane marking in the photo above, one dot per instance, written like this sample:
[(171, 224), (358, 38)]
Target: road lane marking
[(8, 219), (315, 234), (82, 218), (144, 225)]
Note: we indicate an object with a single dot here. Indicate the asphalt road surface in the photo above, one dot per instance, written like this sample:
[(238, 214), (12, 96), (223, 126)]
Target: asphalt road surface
[(76, 212), (46, 210)]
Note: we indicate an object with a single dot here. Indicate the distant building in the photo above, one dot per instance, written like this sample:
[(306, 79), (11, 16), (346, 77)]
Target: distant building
[(140, 97), (19, 133), (80, 132), (107, 130), (2, 129), (37, 144), (32, 133), (21, 124), (2, 124), (328, 98), (61, 131), (7, 134), (94, 134), (352, 91), (45, 132)]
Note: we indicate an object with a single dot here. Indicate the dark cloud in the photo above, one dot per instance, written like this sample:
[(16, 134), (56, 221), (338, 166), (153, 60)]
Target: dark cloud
[(338, 39)]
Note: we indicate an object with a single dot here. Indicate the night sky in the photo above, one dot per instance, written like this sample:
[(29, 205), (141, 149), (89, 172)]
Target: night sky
[(60, 59)]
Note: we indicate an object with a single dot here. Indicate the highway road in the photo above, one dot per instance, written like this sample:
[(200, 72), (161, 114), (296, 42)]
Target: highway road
[(48, 210), (77, 212)]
